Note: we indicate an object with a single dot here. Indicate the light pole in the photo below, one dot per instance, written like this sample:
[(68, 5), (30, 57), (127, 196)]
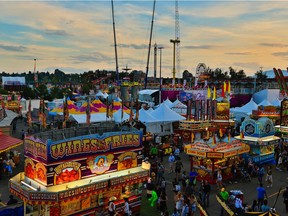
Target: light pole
[(176, 41), (160, 72)]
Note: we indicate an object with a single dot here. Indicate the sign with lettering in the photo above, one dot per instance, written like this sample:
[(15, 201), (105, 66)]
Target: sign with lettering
[(223, 111), (196, 153), (93, 144), (284, 113), (230, 153), (35, 148), (214, 155)]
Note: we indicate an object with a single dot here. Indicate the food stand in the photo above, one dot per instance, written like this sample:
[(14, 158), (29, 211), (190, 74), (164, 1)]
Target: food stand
[(206, 158), (259, 135), (75, 172)]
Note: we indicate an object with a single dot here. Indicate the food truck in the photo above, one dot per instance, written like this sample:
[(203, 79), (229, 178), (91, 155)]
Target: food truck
[(206, 159), (75, 171)]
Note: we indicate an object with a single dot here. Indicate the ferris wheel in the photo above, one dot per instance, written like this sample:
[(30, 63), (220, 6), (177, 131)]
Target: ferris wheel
[(200, 69)]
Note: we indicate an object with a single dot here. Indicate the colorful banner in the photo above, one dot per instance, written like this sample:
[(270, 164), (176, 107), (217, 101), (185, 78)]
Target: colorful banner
[(223, 111), (284, 113), (90, 145)]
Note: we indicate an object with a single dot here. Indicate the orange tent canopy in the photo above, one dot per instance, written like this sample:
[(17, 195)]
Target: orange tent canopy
[(8, 142)]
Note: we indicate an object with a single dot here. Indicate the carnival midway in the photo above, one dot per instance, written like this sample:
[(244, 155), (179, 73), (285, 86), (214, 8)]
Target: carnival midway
[(121, 154)]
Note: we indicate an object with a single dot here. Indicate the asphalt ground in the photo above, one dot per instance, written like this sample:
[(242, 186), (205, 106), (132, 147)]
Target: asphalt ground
[(249, 189)]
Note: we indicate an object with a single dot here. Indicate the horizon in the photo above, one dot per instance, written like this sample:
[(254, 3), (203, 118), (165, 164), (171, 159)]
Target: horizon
[(77, 36)]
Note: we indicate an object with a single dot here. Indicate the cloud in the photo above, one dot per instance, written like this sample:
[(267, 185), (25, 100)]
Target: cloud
[(247, 64), (93, 57), (284, 54), (134, 46), (198, 47), (238, 53), (13, 48), (273, 45), (56, 32)]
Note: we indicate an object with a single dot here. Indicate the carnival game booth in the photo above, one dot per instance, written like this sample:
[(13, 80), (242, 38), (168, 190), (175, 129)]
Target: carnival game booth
[(259, 135), (76, 171), (207, 159)]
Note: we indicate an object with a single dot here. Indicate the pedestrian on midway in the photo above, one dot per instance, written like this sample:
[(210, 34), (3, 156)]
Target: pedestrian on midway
[(269, 178), (261, 195), (126, 207), (171, 161)]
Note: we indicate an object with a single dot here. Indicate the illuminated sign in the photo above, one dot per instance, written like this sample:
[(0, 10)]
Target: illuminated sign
[(284, 113), (93, 145), (35, 148), (214, 155)]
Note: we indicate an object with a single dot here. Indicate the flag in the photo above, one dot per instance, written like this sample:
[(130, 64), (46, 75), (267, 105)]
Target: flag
[(220, 132), (242, 134), (214, 93), (222, 92), (122, 110), (208, 93), (65, 112), (137, 110), (214, 139), (131, 112), (29, 120), (229, 137), (107, 109), (192, 137), (111, 109), (207, 134), (224, 86), (229, 87), (88, 114)]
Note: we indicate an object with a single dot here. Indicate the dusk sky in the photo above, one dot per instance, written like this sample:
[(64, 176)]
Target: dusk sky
[(77, 36)]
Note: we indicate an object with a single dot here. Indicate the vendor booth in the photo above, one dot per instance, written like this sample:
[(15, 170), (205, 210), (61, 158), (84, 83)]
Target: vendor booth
[(207, 159), (259, 135), (76, 172)]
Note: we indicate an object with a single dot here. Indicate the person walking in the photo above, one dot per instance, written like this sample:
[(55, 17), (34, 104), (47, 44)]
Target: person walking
[(111, 206), (206, 193), (219, 179), (279, 164), (261, 172), (171, 161), (163, 202), (178, 167), (224, 195), (269, 178), (261, 194), (285, 197), (126, 207)]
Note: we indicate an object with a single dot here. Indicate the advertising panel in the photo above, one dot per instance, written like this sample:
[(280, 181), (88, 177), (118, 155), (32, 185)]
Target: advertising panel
[(93, 144), (284, 113), (222, 111), (35, 148)]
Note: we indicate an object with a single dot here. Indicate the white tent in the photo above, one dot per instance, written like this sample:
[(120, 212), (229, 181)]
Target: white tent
[(265, 102), (10, 116), (268, 94), (117, 116), (152, 124), (247, 108), (168, 103), (146, 117), (179, 107), (95, 117), (165, 114), (276, 102), (150, 110), (100, 94)]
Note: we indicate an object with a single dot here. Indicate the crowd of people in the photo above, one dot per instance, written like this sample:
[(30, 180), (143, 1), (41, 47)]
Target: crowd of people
[(189, 192)]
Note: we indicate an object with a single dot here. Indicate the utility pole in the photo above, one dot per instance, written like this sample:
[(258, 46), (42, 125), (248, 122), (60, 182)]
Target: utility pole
[(35, 74), (155, 62), (176, 41), (160, 71)]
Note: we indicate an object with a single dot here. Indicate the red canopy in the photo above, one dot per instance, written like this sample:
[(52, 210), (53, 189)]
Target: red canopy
[(8, 142)]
